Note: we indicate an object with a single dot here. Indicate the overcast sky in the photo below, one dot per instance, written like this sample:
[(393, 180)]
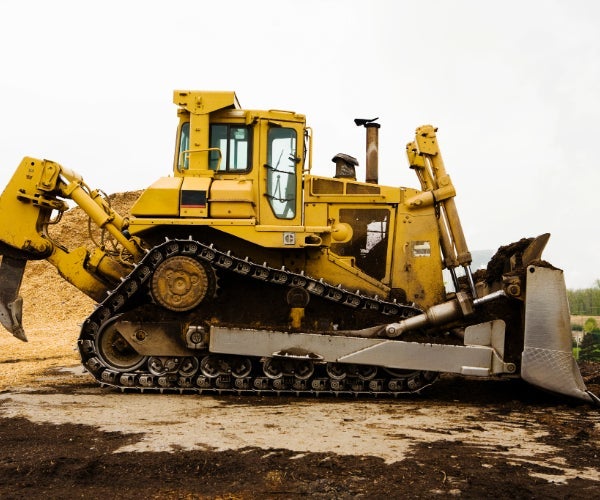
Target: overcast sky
[(513, 87)]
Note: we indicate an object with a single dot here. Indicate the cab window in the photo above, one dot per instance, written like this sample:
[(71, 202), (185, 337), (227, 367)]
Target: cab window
[(233, 142), (369, 242), (281, 171), (183, 162)]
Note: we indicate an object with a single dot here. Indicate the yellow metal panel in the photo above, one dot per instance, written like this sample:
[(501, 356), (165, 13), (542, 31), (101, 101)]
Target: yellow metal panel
[(336, 270), (324, 189), (417, 261), (315, 214), (220, 209), (204, 102), (161, 199), (24, 209), (232, 198), (232, 190)]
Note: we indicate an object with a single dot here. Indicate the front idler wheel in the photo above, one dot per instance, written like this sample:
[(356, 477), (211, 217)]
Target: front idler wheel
[(114, 350)]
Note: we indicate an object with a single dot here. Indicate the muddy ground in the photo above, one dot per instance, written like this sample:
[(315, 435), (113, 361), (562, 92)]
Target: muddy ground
[(62, 436)]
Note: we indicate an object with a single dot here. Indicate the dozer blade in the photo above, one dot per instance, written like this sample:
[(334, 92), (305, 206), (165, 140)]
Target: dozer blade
[(547, 360), (11, 305)]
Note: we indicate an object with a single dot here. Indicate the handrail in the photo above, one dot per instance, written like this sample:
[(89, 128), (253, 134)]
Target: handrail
[(190, 151)]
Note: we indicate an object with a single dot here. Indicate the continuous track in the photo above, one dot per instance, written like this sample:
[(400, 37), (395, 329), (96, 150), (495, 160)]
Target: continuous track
[(219, 373)]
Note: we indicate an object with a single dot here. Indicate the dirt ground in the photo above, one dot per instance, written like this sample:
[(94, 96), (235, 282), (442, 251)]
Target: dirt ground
[(62, 436)]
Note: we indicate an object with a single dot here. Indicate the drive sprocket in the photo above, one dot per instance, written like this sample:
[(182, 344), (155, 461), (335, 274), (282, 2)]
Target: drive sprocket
[(180, 283)]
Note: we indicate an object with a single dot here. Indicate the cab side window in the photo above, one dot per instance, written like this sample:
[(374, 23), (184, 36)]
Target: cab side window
[(370, 238), (233, 141)]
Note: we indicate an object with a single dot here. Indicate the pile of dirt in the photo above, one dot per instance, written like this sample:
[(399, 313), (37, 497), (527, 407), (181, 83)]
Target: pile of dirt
[(590, 371), (498, 264)]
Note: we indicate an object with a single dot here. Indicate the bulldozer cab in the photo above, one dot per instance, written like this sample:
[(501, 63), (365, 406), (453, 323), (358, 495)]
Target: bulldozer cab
[(251, 161)]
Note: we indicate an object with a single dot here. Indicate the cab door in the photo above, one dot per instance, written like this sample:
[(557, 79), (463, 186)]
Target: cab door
[(281, 177)]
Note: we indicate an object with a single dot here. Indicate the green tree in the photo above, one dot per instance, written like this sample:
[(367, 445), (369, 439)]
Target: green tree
[(590, 325), (590, 347), (585, 301)]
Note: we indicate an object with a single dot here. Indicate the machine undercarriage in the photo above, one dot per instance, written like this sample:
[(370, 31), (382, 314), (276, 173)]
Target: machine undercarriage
[(131, 343), (122, 345)]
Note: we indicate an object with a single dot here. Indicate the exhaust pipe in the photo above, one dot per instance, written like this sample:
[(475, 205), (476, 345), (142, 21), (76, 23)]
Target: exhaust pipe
[(372, 175)]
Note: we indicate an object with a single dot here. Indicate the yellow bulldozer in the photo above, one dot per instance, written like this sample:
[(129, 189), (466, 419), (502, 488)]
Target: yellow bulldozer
[(244, 272)]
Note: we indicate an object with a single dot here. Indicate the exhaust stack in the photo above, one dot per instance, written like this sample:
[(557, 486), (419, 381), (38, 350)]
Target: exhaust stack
[(372, 175)]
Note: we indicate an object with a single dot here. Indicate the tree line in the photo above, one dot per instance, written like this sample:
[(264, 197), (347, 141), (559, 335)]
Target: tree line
[(585, 301)]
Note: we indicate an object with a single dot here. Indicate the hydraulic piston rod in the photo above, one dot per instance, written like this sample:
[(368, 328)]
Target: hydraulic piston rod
[(439, 314)]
